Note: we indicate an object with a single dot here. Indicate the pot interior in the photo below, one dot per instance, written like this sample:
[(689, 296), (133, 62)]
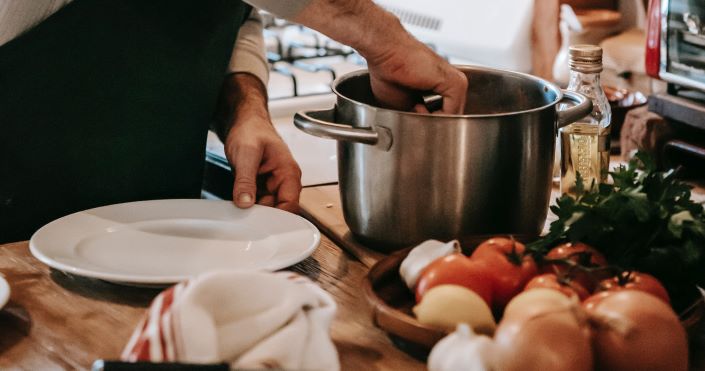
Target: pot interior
[(490, 91)]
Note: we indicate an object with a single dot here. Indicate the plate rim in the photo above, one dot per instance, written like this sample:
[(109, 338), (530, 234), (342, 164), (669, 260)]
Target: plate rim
[(132, 279)]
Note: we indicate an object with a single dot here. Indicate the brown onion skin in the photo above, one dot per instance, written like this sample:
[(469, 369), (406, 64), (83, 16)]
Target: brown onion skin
[(656, 339), (555, 340)]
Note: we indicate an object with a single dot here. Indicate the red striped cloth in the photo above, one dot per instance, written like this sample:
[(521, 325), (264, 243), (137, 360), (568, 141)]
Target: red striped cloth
[(248, 319)]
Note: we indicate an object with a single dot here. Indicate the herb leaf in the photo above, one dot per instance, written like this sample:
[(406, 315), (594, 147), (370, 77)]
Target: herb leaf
[(645, 221)]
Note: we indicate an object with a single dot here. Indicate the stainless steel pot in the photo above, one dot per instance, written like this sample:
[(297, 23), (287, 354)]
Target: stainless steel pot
[(406, 177)]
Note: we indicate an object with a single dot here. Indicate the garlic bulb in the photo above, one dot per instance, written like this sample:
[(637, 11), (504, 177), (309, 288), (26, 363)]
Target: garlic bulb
[(420, 256), (462, 350)]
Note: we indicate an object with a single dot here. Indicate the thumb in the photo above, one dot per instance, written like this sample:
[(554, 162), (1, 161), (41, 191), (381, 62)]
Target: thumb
[(246, 165)]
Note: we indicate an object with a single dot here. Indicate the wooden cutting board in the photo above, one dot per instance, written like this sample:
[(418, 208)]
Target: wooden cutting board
[(321, 205)]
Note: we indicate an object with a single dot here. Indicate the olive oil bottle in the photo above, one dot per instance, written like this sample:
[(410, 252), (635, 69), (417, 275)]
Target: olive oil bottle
[(585, 144)]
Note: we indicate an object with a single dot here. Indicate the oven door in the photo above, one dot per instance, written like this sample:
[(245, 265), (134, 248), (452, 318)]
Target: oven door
[(683, 40)]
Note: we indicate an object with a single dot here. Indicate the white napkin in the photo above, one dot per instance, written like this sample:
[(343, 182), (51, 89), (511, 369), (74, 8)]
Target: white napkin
[(247, 319)]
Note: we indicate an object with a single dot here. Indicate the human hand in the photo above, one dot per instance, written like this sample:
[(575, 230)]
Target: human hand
[(401, 67), (398, 74), (263, 166), (264, 169)]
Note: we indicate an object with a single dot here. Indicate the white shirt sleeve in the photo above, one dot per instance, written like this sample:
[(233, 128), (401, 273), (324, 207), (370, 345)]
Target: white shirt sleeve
[(249, 53), (18, 16), (286, 9)]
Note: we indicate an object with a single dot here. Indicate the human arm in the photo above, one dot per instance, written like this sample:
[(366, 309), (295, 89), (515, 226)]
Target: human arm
[(399, 65), (263, 166)]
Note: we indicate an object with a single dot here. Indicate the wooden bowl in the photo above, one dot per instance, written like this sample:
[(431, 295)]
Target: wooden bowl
[(392, 302)]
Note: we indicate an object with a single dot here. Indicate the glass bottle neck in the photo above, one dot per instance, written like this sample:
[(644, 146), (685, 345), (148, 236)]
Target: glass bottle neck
[(582, 79), (588, 84)]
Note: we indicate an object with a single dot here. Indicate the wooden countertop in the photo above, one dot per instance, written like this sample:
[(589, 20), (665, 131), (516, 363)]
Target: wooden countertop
[(321, 205), (60, 321), (56, 320)]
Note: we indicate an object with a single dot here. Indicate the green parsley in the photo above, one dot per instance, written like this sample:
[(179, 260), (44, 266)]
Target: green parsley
[(645, 221)]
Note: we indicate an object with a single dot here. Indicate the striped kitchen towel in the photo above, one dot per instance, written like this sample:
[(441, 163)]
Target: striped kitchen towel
[(247, 319)]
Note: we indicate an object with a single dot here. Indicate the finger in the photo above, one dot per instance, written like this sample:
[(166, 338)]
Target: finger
[(247, 161), (420, 108), (454, 91), (288, 194), (390, 95), (286, 185), (266, 200)]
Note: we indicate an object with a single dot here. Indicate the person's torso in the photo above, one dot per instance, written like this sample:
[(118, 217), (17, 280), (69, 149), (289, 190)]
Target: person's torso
[(106, 102)]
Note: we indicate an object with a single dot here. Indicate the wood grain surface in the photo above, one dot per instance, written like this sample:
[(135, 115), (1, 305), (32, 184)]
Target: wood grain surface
[(321, 205), (58, 321)]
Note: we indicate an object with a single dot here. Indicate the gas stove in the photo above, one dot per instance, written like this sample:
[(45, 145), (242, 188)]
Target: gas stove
[(304, 62)]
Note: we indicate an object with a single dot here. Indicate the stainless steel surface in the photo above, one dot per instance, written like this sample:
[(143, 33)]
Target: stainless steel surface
[(446, 176), (667, 57), (314, 123), (681, 80), (693, 22), (569, 116)]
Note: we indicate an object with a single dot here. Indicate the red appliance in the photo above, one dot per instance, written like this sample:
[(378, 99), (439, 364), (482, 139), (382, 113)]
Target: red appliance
[(675, 46)]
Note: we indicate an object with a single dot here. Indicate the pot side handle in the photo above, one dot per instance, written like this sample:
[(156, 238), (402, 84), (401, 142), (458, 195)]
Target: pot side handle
[(317, 123), (582, 107)]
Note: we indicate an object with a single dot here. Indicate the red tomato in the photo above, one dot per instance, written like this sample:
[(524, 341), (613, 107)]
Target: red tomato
[(510, 268), (568, 287), (456, 269), (577, 255), (635, 281)]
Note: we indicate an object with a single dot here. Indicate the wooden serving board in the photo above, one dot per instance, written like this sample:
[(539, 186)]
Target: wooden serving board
[(392, 304)]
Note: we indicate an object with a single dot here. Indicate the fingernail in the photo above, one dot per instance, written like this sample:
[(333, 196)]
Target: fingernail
[(244, 198)]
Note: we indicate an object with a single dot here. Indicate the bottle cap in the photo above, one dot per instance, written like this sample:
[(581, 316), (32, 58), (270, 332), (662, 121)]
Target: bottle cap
[(586, 58)]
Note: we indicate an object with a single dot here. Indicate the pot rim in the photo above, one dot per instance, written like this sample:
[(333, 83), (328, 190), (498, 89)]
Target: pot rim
[(463, 67)]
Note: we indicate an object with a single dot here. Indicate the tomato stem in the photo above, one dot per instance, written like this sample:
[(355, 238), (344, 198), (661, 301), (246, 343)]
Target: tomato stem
[(624, 277), (513, 256)]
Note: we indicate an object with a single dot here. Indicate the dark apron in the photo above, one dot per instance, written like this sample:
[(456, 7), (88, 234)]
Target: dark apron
[(107, 102)]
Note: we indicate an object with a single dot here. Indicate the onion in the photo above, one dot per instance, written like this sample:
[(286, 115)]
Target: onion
[(537, 301), (543, 331), (634, 330), (445, 306)]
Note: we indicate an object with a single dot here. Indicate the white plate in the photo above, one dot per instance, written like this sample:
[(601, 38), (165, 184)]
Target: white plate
[(165, 241), (4, 291)]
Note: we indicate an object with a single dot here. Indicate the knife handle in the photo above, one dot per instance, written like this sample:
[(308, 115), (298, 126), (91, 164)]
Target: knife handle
[(103, 365)]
